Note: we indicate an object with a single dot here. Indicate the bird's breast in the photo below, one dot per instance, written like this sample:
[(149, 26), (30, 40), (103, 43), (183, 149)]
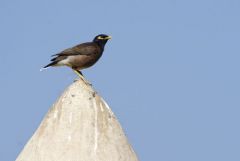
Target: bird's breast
[(83, 61)]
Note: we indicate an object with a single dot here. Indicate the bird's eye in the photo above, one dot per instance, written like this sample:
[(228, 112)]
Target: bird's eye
[(100, 37)]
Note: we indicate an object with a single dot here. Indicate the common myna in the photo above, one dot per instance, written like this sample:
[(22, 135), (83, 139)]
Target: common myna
[(81, 56)]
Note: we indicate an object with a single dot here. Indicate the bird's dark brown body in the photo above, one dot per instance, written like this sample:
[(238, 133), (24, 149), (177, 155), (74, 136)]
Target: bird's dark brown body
[(81, 56)]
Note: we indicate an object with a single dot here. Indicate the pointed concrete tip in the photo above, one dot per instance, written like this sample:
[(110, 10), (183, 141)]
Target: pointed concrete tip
[(79, 127)]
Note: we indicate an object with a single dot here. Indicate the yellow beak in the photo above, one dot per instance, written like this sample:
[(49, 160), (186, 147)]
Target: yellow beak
[(109, 37)]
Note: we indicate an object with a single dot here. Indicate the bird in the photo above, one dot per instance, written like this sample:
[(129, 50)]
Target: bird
[(81, 56)]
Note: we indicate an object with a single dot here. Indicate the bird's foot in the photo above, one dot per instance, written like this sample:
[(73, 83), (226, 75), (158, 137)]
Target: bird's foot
[(84, 80), (87, 83), (79, 73), (76, 79)]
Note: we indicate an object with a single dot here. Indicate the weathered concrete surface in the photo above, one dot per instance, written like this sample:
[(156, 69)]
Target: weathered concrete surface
[(79, 127)]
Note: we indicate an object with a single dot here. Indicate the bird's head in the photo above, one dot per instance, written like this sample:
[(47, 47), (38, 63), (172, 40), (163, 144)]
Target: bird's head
[(101, 39)]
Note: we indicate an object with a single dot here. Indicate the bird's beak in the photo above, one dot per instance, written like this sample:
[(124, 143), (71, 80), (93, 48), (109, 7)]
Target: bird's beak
[(109, 37)]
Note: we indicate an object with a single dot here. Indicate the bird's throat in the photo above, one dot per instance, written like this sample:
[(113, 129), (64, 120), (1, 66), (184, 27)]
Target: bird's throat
[(101, 44)]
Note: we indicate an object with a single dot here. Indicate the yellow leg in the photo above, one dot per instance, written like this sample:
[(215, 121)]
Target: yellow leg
[(81, 76)]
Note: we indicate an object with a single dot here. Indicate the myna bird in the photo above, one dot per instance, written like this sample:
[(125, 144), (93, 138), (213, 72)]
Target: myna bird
[(81, 56)]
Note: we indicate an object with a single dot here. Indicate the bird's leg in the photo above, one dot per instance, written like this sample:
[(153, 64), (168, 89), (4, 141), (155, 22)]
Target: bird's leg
[(79, 73)]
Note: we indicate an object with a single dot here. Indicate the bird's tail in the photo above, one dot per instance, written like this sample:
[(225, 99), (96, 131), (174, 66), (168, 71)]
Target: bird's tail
[(49, 65)]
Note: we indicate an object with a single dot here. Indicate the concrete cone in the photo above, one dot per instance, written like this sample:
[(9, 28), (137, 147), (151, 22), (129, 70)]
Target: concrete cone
[(79, 127)]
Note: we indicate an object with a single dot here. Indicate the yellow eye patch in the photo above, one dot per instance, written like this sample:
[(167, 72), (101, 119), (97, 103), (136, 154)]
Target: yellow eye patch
[(104, 38), (101, 38)]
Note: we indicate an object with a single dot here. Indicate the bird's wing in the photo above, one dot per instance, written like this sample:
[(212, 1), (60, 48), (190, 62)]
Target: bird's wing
[(82, 49)]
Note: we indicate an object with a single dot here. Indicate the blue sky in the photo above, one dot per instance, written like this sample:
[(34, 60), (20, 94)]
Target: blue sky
[(170, 73)]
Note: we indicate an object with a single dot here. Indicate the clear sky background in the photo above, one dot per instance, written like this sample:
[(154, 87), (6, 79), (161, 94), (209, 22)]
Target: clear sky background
[(171, 73)]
